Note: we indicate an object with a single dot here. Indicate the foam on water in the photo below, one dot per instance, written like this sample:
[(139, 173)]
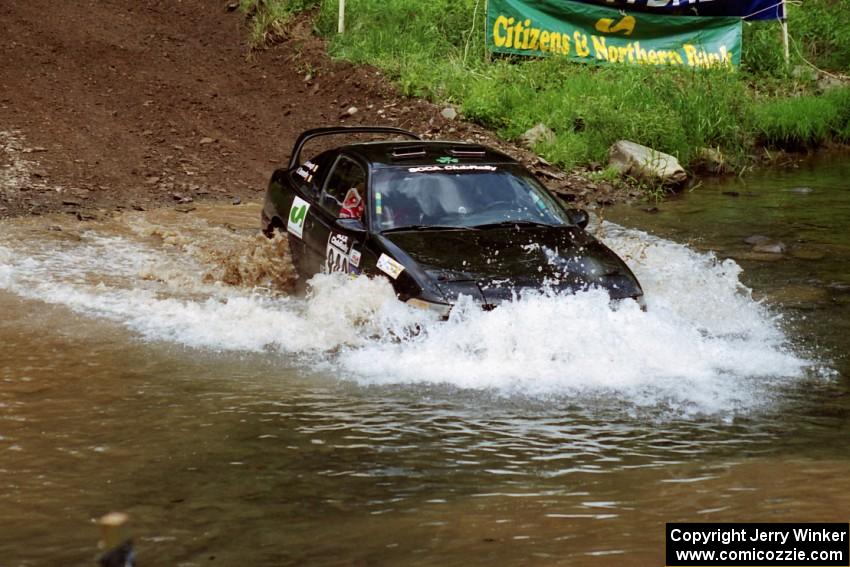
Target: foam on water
[(703, 343), (703, 340)]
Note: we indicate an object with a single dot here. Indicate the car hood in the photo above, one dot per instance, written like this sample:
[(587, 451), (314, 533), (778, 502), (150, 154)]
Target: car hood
[(495, 264)]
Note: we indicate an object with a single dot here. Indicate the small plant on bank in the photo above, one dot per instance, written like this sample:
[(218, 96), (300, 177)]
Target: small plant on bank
[(606, 175), (269, 18)]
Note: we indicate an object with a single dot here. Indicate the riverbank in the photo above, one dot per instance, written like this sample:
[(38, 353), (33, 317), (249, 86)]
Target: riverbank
[(125, 106), (116, 107), (436, 51)]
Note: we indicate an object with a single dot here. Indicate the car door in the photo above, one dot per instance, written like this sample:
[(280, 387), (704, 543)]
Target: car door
[(332, 247), (295, 193)]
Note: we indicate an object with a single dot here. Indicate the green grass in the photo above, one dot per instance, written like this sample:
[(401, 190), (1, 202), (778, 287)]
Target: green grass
[(821, 30), (820, 33), (435, 50), (806, 121), (269, 18)]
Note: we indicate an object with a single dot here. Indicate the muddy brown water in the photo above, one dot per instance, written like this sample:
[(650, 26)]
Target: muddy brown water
[(154, 363)]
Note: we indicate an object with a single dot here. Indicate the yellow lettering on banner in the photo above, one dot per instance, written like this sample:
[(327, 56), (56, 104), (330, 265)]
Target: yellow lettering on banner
[(561, 44), (599, 47), (640, 54), (626, 25), (544, 41), (510, 39), (509, 33), (499, 39), (517, 31), (702, 58), (581, 44), (535, 36), (691, 54), (725, 55), (523, 35)]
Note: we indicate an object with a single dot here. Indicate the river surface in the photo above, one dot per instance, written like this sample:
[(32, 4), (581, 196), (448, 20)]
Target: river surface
[(155, 363)]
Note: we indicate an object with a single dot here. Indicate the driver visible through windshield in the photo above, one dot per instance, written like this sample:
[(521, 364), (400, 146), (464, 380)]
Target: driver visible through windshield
[(460, 197)]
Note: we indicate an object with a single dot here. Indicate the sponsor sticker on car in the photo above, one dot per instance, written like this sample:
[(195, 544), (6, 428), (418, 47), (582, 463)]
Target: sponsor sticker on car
[(297, 216), (430, 168), (340, 241), (354, 258), (389, 266), (341, 255), (306, 171)]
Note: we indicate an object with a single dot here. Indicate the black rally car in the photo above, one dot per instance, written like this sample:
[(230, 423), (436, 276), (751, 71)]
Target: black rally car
[(439, 219)]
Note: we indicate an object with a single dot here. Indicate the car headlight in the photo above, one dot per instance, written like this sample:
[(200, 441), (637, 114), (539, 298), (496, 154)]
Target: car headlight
[(440, 309)]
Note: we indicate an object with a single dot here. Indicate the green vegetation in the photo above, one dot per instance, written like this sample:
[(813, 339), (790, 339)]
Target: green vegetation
[(269, 17), (436, 50), (806, 121), (821, 33)]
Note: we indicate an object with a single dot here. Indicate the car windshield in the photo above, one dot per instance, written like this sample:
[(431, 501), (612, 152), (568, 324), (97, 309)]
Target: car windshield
[(462, 196)]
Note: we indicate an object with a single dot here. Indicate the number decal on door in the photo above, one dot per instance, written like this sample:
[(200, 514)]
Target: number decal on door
[(340, 255)]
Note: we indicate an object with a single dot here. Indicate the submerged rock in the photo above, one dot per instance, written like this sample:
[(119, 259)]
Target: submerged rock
[(769, 247), (646, 164), (756, 239)]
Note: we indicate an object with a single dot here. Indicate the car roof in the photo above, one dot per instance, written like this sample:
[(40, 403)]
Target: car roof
[(425, 152)]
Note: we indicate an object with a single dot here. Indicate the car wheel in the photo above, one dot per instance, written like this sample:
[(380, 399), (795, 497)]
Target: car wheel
[(268, 226)]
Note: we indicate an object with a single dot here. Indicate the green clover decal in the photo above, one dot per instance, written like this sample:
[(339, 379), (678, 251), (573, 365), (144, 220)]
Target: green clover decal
[(446, 160)]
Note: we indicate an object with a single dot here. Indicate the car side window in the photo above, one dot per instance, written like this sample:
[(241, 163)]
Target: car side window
[(307, 176), (345, 189)]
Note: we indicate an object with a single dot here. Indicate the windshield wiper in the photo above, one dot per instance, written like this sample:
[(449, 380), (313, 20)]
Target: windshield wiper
[(509, 223), (413, 227)]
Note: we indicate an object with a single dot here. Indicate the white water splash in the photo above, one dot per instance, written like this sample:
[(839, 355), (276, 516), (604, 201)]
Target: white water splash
[(703, 343), (703, 340)]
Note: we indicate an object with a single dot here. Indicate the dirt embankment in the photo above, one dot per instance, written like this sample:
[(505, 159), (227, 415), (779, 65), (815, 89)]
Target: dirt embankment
[(123, 104)]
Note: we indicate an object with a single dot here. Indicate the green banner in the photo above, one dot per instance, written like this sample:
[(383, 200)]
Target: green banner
[(595, 34)]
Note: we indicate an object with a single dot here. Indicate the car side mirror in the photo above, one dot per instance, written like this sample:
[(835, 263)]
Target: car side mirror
[(351, 226), (579, 217)]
